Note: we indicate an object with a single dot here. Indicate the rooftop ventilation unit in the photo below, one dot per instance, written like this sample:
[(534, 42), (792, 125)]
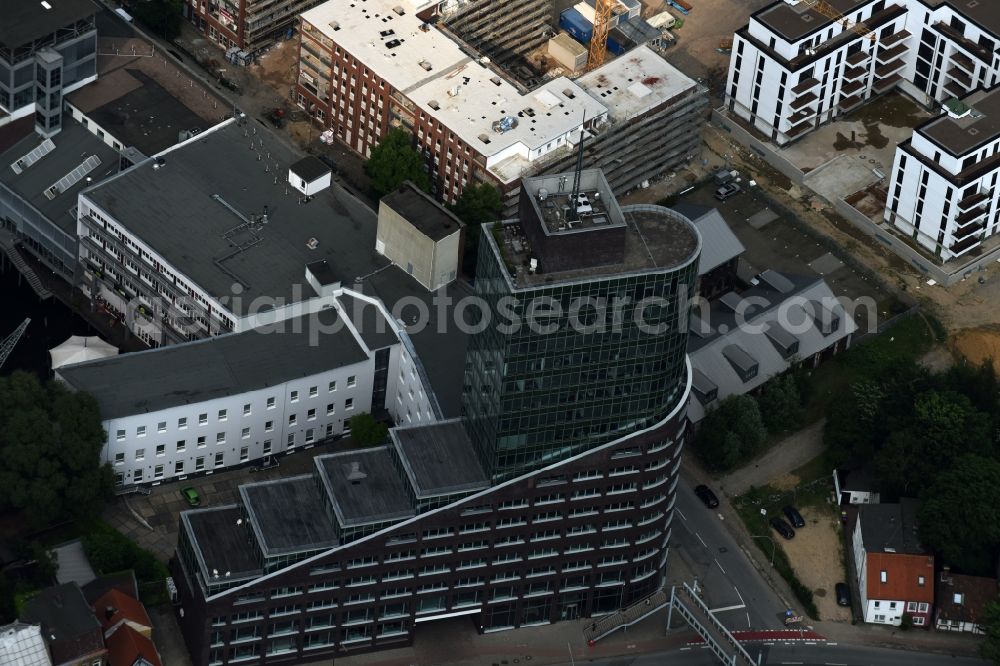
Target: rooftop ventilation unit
[(354, 474), (312, 243), (73, 177)]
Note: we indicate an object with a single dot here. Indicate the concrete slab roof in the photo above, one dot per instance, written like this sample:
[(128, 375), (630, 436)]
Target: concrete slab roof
[(419, 209), (365, 487), (26, 20), (439, 459), (978, 127), (287, 515), (219, 539)]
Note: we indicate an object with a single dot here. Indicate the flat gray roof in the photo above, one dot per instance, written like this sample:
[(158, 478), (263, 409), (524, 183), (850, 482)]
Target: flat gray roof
[(365, 487), (176, 209), (220, 543), (431, 218), (287, 515), (371, 324), (962, 135), (793, 22), (73, 145), (26, 20), (718, 242), (310, 168), (890, 527), (214, 367), (439, 459)]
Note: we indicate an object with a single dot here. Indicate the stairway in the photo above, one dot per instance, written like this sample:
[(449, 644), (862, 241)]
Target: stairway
[(626, 617), (9, 247)]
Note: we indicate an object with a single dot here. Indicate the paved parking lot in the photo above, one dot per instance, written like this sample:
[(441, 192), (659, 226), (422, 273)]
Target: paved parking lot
[(151, 521), (783, 245)]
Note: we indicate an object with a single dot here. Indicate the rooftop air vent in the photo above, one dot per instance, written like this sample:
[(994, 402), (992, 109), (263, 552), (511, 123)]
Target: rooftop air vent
[(433, 104), (334, 25), (426, 65), (355, 475), (399, 10), (312, 243)]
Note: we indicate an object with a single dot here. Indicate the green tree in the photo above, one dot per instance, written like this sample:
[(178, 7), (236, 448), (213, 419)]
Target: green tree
[(109, 551), (780, 404), (960, 515), (478, 204), (366, 431), (990, 623), (393, 161), (731, 433), (162, 16), (50, 442)]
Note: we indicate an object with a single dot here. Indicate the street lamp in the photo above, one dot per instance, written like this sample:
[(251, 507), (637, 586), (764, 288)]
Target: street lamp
[(773, 546)]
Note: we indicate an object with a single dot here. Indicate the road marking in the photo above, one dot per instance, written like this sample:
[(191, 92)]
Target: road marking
[(720, 566), (742, 601), (727, 608), (749, 626), (791, 662), (831, 643), (700, 539), (683, 517), (830, 663), (721, 517)]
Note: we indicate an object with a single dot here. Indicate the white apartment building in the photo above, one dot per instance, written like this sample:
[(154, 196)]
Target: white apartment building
[(794, 68), (943, 190), (237, 399)]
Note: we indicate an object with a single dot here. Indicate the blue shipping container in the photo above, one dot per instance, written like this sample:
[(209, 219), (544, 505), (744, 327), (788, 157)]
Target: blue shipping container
[(576, 25)]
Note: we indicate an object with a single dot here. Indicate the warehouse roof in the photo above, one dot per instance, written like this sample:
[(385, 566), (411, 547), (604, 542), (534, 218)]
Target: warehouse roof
[(62, 154), (192, 205), (215, 367)]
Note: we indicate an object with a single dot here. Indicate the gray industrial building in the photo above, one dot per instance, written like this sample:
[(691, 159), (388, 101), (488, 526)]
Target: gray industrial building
[(46, 50)]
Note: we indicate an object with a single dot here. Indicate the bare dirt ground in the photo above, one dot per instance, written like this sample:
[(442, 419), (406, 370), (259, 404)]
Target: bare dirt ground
[(815, 554), (979, 344)]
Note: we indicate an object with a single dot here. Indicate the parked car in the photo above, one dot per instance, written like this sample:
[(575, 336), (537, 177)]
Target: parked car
[(722, 176), (782, 528), (843, 594), (794, 517), (191, 496), (706, 495), (726, 191)]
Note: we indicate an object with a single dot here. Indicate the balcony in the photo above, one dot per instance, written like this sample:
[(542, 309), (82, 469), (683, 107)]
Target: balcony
[(896, 38), (805, 86), (886, 70), (963, 232), (852, 88), (885, 55), (799, 102), (963, 61), (973, 200), (799, 116), (801, 128), (970, 215), (960, 76), (852, 73), (966, 44), (964, 245), (882, 85), (956, 89), (858, 58)]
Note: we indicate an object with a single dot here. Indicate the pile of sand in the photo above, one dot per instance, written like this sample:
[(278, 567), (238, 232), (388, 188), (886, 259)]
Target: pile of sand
[(979, 344)]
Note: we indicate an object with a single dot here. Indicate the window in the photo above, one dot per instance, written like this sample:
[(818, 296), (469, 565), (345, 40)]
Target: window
[(245, 433), (161, 426), (140, 454), (270, 403), (222, 415), (161, 449), (244, 453), (267, 447), (311, 415), (294, 396), (181, 445), (247, 410), (220, 438), (219, 459), (158, 472), (120, 435), (911, 607), (137, 475), (293, 419), (291, 439), (202, 419), (179, 467), (920, 581), (199, 463), (884, 576), (268, 426), (119, 458), (349, 404), (923, 607), (313, 391), (352, 381), (201, 442), (330, 410), (182, 423), (310, 435), (332, 387), (140, 431)]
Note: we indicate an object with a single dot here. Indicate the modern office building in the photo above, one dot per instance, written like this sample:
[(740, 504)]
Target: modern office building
[(45, 53), (943, 190), (376, 65), (270, 241), (550, 498), (794, 68), (238, 399)]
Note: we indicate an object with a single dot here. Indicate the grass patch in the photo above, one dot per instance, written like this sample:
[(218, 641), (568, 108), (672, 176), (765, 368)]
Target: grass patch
[(907, 340)]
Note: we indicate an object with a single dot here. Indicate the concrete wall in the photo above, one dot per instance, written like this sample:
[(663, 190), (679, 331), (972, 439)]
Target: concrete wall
[(763, 150), (433, 264)]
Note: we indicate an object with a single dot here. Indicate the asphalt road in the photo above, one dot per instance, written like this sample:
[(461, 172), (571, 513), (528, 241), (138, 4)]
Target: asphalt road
[(731, 586), (799, 655)]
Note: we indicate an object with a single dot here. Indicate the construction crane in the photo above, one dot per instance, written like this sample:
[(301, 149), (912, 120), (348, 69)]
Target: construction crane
[(8, 343), (599, 38), (827, 10)]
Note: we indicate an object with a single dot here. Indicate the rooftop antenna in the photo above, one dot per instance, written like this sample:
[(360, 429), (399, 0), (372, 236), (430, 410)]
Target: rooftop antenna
[(573, 215)]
